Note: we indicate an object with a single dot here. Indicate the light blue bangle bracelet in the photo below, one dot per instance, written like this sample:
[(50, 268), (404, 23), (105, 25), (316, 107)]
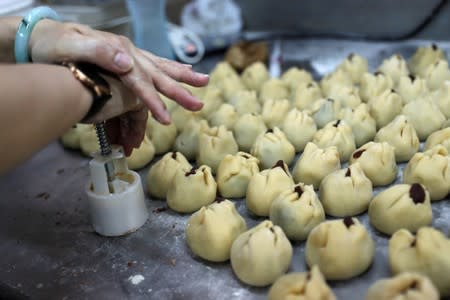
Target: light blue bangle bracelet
[(26, 27)]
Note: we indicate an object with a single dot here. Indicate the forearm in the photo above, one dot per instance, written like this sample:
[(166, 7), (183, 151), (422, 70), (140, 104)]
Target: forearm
[(38, 104), (8, 29)]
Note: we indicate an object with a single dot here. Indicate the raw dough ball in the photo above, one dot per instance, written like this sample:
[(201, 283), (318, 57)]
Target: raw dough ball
[(229, 86), (187, 141), (274, 112), (212, 99), (302, 286), (294, 77), (363, 125), (402, 136), (306, 94), (189, 191), (324, 111), (71, 139), (385, 107), (255, 75), (162, 136), (405, 286), (432, 169), (377, 161), (442, 99), (436, 74), (338, 77), (162, 172), (181, 117), (336, 133), (355, 66), (213, 145), (266, 186), (211, 231), (271, 147), (342, 248), (247, 128), (401, 206), (221, 71), (225, 115), (274, 89), (234, 173), (89, 141), (394, 67), (373, 85), (141, 156), (346, 192), (426, 253), (245, 102), (260, 255), (411, 88), (441, 137), (315, 164), (424, 57), (425, 116), (297, 211), (348, 96), (299, 128)]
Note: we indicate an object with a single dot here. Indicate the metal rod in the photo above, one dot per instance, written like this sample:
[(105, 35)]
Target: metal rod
[(105, 149)]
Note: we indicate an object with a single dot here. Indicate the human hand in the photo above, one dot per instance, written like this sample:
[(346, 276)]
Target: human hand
[(141, 71)]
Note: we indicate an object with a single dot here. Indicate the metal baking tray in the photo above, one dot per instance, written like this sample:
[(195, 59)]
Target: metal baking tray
[(48, 249)]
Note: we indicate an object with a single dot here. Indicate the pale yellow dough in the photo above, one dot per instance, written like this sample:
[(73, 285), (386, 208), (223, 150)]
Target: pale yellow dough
[(299, 128), (394, 67), (141, 156), (440, 137), (187, 141), (162, 136), (247, 128), (71, 139)]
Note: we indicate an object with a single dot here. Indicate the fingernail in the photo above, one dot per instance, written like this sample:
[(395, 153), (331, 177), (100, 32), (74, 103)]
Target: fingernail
[(188, 65), (164, 117), (123, 61), (202, 75)]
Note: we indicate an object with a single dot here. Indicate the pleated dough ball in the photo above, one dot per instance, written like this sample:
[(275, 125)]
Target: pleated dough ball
[(346, 192), (306, 94), (274, 89), (245, 102), (338, 77), (271, 147), (347, 95), (141, 156), (299, 128), (297, 211), (324, 111), (189, 191), (432, 169), (222, 70), (423, 57), (401, 135), (162, 136), (255, 75), (247, 128), (426, 253), (359, 119), (405, 286), (162, 172), (266, 186), (377, 161), (211, 231), (355, 66), (425, 116), (339, 134), (226, 115), (441, 97), (401, 206), (440, 137), (411, 88), (213, 145), (373, 85), (302, 286), (181, 117), (295, 76), (315, 164), (212, 98), (187, 141), (394, 67), (274, 112), (385, 107), (71, 139), (234, 173), (230, 85), (260, 255), (89, 141), (436, 74), (342, 248)]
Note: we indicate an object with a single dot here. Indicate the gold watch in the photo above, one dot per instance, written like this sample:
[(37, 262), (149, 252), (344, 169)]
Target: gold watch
[(89, 76)]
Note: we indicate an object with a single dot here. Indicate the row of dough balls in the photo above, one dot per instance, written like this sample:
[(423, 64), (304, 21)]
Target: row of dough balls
[(261, 255)]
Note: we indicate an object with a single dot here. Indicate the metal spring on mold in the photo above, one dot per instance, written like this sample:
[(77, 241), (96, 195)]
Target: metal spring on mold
[(105, 146)]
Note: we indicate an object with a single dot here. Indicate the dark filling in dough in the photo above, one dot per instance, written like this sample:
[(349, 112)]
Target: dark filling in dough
[(348, 173), (412, 77), (337, 123), (350, 57), (219, 199), (174, 155), (434, 47), (191, 172), (269, 131), (413, 243), (246, 156), (280, 164), (358, 153), (348, 221), (417, 193), (298, 190)]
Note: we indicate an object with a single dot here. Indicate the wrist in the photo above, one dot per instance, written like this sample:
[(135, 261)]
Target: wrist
[(42, 28)]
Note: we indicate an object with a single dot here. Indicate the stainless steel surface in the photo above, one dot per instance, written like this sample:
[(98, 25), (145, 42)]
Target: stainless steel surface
[(48, 249)]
